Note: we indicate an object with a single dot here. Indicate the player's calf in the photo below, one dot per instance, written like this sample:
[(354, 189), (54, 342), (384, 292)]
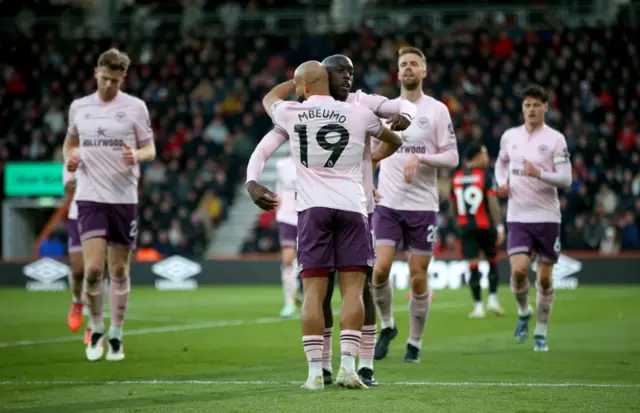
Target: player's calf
[(382, 292), (119, 290), (95, 292), (476, 292), (315, 289), (288, 282), (327, 345), (368, 341), (520, 283), (544, 303), (492, 302), (351, 280), (419, 304), (76, 279)]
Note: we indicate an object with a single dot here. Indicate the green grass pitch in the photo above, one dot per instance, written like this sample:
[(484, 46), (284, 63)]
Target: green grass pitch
[(223, 349)]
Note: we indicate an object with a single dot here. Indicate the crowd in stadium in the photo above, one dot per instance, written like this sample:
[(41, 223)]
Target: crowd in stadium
[(204, 96)]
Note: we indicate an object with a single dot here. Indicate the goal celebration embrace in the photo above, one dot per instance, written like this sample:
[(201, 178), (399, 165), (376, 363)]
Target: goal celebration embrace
[(299, 206)]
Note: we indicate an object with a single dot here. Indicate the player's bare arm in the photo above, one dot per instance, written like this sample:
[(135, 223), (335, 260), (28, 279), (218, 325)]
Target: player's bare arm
[(399, 112), (146, 153), (279, 92), (390, 143), (494, 210), (71, 152)]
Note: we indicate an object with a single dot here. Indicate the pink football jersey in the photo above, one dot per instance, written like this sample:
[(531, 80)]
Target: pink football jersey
[(103, 130), (431, 132), (531, 199), (286, 190), (327, 140), (382, 107)]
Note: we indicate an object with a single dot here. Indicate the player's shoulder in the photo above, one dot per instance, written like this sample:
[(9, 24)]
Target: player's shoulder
[(554, 133), (285, 105), (130, 99), (513, 131), (432, 103), (358, 95), (83, 101)]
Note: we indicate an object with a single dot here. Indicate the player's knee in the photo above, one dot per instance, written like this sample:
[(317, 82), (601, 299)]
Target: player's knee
[(544, 282), (119, 270), (381, 271), (519, 268), (77, 273), (94, 271)]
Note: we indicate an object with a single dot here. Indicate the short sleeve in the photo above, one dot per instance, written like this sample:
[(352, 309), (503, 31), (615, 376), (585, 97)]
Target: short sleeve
[(142, 125), (560, 152), (445, 134), (72, 129)]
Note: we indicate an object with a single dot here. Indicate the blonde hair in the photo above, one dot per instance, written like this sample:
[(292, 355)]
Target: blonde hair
[(114, 59), (413, 50)]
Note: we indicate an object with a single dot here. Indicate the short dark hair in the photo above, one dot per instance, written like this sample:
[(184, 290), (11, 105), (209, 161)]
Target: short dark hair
[(535, 92), (114, 59), (473, 149), (412, 50)]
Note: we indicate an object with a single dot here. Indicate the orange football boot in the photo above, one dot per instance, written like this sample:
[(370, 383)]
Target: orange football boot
[(74, 319)]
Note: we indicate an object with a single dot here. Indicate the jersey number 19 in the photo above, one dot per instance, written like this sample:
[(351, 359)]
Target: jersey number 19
[(470, 196), (336, 148)]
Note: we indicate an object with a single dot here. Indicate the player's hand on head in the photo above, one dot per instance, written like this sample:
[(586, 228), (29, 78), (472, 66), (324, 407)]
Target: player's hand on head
[(129, 155), (399, 122), (262, 197), (411, 169)]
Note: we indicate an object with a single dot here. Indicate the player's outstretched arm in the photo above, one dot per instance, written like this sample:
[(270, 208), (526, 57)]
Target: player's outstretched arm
[(400, 112), (279, 92), (260, 195), (390, 142)]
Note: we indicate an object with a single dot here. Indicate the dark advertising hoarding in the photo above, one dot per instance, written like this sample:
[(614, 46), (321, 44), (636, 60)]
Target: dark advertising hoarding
[(179, 273)]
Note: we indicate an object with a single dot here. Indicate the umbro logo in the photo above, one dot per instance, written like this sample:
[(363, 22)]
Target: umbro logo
[(48, 275), (176, 271)]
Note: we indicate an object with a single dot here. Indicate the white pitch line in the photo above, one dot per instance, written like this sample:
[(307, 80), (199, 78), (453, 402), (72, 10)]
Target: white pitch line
[(153, 330), (286, 383), (181, 327)]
